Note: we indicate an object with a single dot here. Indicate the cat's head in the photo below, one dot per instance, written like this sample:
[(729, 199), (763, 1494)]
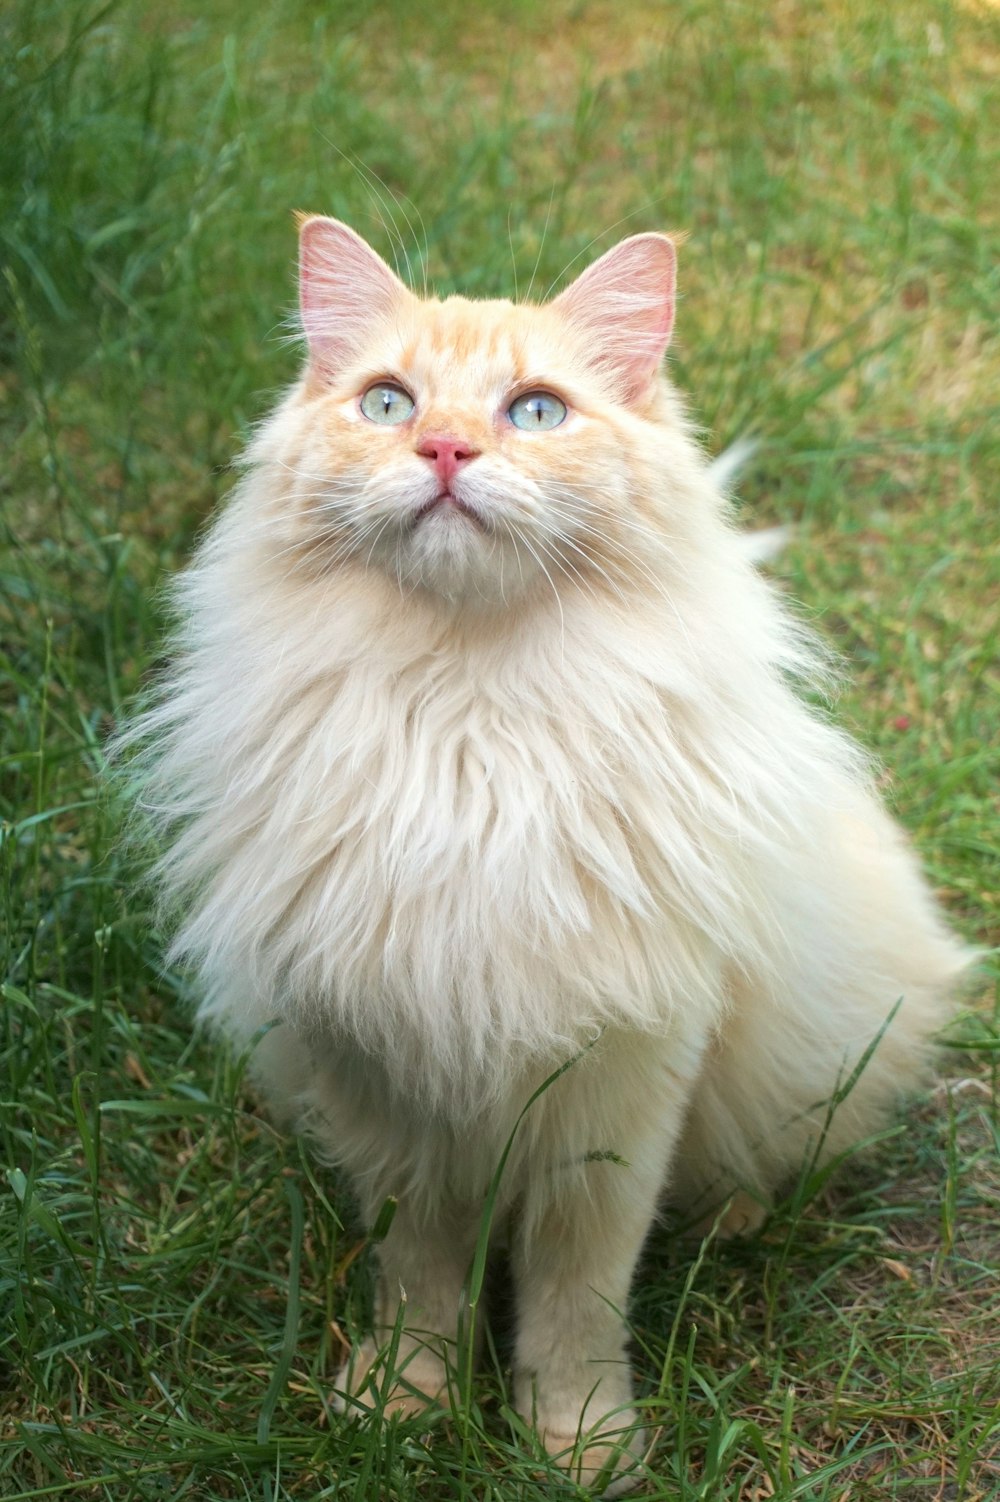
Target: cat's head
[(479, 449)]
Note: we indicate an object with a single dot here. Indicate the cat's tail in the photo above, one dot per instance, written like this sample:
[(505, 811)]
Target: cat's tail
[(727, 467), (816, 1051), (764, 545)]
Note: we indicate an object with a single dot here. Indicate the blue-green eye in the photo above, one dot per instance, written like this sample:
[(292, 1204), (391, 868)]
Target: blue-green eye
[(386, 403), (536, 411)]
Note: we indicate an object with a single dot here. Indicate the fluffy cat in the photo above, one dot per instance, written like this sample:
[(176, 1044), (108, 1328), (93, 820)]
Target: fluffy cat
[(481, 751)]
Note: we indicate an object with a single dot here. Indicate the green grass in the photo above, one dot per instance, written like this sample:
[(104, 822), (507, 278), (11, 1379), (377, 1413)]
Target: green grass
[(176, 1279)]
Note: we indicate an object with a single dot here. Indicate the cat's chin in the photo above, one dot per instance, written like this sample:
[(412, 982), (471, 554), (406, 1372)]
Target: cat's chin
[(452, 554)]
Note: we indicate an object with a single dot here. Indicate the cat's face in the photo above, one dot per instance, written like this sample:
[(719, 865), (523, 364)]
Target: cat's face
[(477, 449)]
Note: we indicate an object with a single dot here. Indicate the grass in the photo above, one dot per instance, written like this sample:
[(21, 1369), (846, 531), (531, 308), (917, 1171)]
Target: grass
[(176, 1279)]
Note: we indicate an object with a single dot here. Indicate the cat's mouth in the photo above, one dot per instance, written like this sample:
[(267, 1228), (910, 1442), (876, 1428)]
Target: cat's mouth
[(448, 503)]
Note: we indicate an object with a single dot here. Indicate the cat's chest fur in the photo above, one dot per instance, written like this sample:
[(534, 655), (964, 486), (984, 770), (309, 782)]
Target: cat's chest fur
[(489, 844)]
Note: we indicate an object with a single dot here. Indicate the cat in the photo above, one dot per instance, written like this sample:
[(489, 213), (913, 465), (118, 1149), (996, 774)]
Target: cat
[(484, 750)]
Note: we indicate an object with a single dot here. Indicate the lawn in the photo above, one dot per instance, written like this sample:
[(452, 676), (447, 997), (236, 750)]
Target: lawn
[(177, 1280)]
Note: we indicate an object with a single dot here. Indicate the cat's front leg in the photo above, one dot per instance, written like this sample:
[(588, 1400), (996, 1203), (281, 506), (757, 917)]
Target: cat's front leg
[(586, 1217), (422, 1268)]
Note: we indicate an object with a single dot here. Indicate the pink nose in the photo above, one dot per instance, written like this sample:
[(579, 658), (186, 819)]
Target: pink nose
[(447, 455)]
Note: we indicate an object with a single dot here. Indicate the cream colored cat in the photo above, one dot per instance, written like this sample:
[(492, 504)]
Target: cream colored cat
[(481, 745)]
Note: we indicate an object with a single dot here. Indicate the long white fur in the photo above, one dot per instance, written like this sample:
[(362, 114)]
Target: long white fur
[(451, 843)]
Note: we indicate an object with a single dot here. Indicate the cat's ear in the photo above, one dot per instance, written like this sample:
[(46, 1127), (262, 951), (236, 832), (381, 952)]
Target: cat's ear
[(345, 291), (624, 306)]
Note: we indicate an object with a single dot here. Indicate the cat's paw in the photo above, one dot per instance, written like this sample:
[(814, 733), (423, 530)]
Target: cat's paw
[(605, 1457), (419, 1380), (742, 1216)]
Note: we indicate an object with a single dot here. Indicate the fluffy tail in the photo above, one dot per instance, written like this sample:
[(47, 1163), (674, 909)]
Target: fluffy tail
[(764, 545)]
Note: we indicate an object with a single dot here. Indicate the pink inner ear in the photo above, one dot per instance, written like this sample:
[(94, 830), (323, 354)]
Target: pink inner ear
[(345, 290), (624, 304)]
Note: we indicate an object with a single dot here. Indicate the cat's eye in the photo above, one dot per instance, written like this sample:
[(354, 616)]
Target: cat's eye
[(536, 411), (386, 403)]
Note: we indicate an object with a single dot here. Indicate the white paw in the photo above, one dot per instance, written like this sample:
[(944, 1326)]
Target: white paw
[(742, 1216), (604, 1456), (419, 1380)]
